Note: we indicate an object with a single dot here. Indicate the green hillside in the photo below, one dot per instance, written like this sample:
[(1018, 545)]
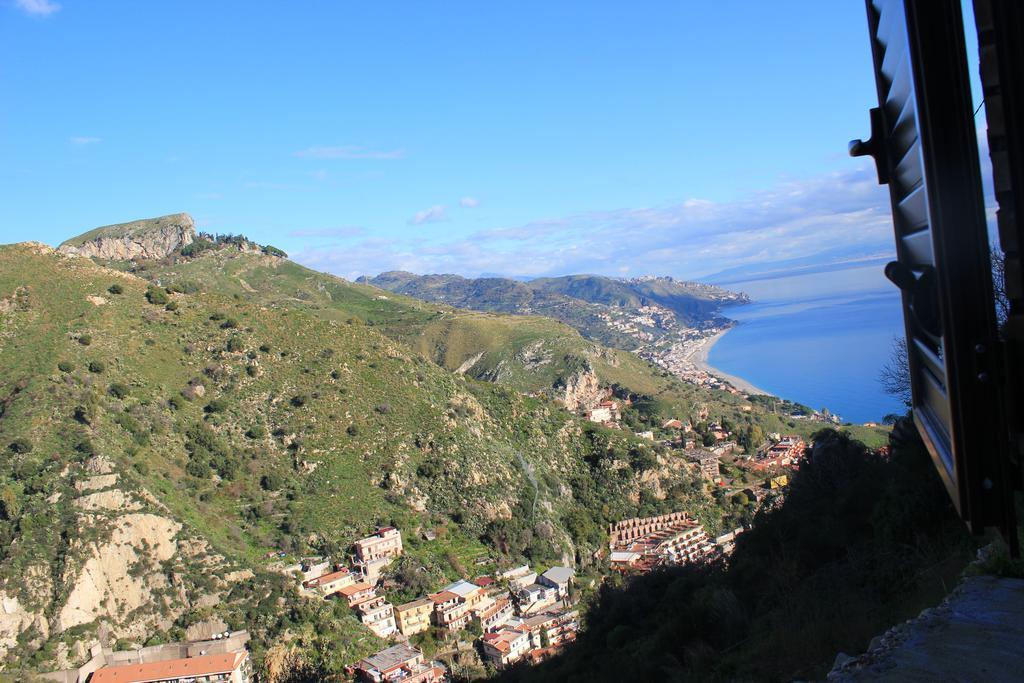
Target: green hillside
[(591, 304), (194, 414), (262, 427)]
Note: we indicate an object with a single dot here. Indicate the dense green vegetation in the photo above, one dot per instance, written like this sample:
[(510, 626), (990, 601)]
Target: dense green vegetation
[(338, 428), (861, 541), (267, 407)]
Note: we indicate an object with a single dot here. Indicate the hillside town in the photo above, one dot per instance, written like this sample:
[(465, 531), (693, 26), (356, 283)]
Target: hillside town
[(519, 614)]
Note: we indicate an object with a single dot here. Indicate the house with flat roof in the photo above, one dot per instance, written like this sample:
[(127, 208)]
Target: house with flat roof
[(549, 629), (399, 663), (386, 543), (378, 615), (558, 578), (414, 617), (707, 463), (454, 604), (535, 597), (231, 667), (522, 580)]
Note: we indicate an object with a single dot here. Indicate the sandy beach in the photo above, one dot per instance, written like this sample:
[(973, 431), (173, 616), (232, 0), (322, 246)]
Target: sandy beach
[(699, 357)]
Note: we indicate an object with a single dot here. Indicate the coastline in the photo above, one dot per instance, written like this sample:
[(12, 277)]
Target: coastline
[(699, 357)]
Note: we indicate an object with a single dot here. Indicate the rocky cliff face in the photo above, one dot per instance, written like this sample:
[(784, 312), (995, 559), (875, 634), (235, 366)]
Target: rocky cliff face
[(133, 570), (582, 390), (153, 238)]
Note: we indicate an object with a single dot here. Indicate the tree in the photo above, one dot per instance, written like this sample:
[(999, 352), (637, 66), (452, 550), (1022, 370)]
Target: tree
[(156, 296), (10, 505), (895, 374), (999, 284)]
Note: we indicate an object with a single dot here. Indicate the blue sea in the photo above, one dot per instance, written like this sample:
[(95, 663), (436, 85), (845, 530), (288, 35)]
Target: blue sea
[(818, 339)]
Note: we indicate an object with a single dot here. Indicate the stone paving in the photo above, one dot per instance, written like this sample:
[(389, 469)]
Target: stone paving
[(976, 634)]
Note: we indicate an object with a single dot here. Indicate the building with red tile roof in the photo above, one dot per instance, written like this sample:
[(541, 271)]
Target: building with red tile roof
[(232, 667)]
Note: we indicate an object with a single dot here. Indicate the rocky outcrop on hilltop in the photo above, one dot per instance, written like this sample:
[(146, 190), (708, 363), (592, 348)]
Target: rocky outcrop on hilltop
[(153, 238)]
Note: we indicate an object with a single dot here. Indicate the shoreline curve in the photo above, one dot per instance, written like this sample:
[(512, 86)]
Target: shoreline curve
[(699, 358)]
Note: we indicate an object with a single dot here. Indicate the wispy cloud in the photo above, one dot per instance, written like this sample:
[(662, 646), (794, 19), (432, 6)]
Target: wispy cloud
[(432, 215), (469, 202), (349, 152), (837, 218), (82, 140), (38, 8)]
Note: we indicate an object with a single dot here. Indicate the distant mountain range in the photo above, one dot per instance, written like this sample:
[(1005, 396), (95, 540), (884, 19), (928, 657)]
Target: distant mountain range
[(624, 313)]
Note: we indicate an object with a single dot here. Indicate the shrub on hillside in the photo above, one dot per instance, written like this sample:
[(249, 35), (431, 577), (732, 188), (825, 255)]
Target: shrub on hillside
[(171, 306), (84, 339), (217, 405), (97, 366), (300, 400), (10, 505), (252, 370), (206, 451), (21, 446), (229, 324), (274, 251), (256, 432), (65, 366), (271, 481), (156, 296), (115, 289), (119, 390), (186, 287), (235, 344), (217, 316)]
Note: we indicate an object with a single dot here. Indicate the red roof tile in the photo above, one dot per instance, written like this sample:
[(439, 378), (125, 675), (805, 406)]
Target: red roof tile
[(170, 669)]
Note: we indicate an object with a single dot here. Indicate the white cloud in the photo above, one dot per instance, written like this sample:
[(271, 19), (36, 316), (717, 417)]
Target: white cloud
[(38, 8), (432, 215), (469, 202), (349, 152), (835, 219), (81, 140)]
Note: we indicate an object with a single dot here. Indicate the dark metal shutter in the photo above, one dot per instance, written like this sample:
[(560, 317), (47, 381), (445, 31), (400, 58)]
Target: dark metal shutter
[(924, 145)]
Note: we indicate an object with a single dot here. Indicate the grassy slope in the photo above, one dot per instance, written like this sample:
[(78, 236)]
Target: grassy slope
[(381, 435), (451, 336)]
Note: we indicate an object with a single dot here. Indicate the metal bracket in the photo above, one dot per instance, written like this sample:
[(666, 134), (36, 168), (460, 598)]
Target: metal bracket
[(874, 146)]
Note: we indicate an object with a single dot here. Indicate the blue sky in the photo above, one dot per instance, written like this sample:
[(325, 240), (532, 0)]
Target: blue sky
[(526, 138)]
